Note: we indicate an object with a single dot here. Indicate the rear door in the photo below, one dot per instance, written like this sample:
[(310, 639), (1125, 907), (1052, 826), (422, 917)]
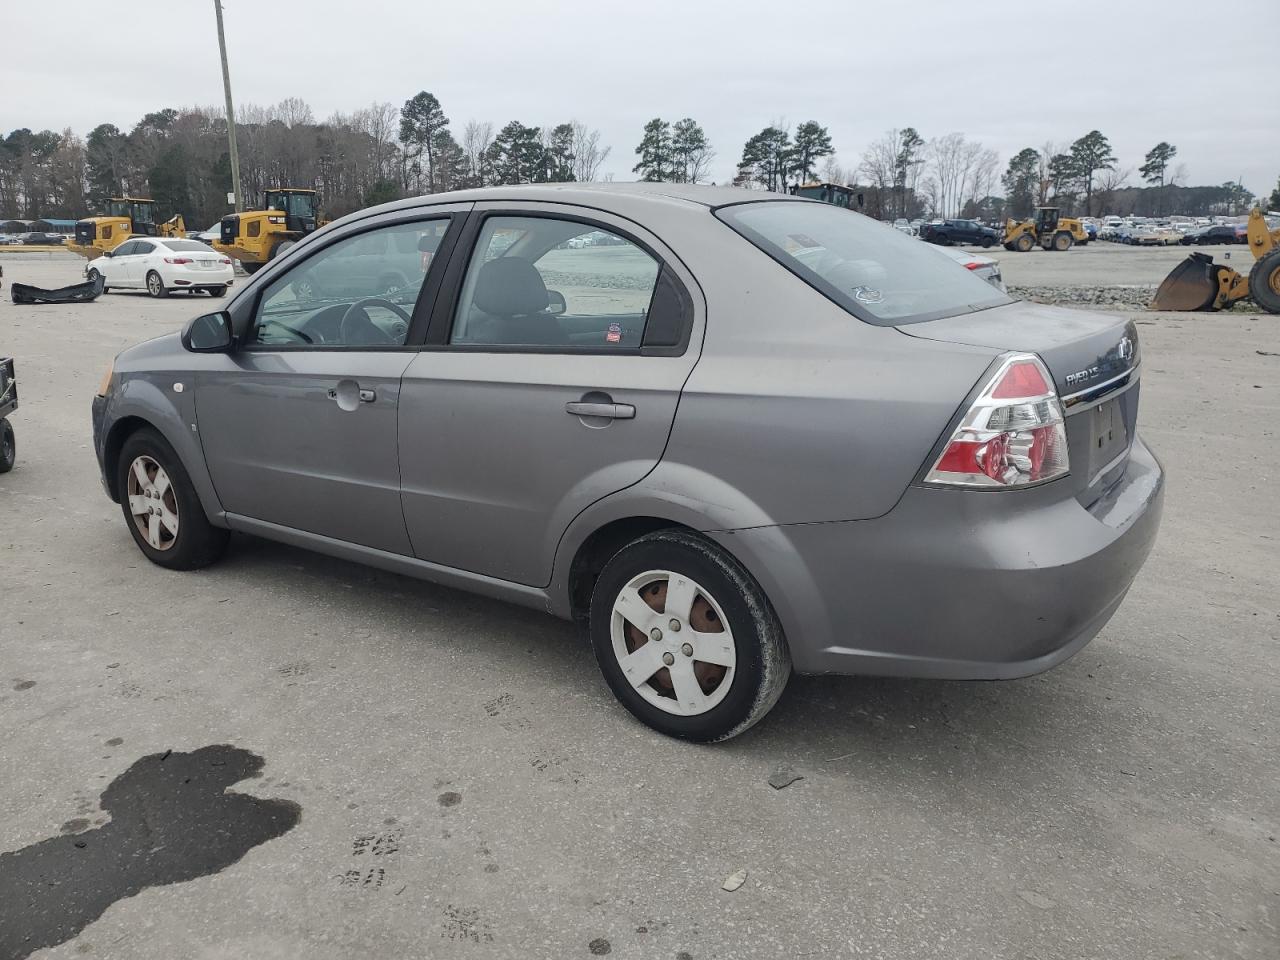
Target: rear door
[(551, 380), (139, 262)]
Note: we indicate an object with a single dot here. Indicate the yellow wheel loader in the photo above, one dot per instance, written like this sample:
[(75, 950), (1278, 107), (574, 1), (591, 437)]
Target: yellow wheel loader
[(257, 237), (1197, 283), (1049, 230), (125, 217)]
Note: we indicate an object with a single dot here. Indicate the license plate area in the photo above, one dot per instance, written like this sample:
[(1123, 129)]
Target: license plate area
[(1108, 436)]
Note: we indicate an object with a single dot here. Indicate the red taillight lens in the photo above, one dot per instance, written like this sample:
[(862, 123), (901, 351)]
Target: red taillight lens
[(178, 260), (1014, 433), (226, 259), (974, 265)]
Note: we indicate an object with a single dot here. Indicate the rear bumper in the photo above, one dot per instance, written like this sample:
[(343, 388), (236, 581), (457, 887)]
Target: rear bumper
[(957, 584)]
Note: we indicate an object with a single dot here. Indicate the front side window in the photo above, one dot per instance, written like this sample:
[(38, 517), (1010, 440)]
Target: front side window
[(876, 273), (126, 249), (358, 292), (545, 282)]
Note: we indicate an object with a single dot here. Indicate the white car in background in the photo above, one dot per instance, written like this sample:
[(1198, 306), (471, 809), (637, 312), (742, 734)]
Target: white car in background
[(984, 267), (160, 265)]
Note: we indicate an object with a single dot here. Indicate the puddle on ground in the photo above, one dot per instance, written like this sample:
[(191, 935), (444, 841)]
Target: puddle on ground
[(172, 820)]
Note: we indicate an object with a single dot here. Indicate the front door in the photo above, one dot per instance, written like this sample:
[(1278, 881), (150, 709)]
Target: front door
[(299, 426), (552, 382)]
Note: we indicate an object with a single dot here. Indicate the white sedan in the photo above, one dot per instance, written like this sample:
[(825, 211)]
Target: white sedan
[(159, 265)]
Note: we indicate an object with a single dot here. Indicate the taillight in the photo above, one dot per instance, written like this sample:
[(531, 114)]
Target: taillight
[(178, 260), (1013, 434), (226, 260), (974, 265)]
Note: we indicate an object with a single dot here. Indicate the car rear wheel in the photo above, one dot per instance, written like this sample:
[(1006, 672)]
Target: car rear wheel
[(8, 446), (161, 508), (217, 291), (155, 285), (686, 639)]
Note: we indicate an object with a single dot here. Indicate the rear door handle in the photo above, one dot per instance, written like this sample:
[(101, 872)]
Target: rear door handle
[(613, 411), (366, 395)]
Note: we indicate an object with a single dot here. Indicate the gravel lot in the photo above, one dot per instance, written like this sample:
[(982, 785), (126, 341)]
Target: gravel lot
[(461, 784)]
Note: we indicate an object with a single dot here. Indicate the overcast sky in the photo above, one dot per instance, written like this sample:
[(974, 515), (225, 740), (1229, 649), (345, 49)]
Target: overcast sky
[(1006, 72)]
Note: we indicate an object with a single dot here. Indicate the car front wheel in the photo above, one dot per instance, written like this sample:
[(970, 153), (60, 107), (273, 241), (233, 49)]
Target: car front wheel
[(161, 508), (686, 639), (93, 275)]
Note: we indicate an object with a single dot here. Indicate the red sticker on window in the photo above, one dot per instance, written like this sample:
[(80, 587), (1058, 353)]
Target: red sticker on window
[(615, 333)]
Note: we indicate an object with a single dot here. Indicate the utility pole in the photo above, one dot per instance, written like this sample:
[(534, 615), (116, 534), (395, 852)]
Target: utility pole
[(231, 110)]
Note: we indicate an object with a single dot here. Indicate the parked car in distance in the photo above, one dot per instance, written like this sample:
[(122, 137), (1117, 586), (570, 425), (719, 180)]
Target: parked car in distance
[(609, 433), (985, 267), (959, 231), (160, 265), (1218, 233), (40, 239)]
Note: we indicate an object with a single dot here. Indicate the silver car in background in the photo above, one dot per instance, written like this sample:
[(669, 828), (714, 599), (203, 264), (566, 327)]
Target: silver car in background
[(735, 434)]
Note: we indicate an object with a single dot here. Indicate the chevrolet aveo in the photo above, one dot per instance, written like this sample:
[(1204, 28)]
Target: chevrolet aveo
[(735, 434)]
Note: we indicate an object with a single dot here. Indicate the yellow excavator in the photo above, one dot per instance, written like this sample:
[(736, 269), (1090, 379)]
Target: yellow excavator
[(1049, 229), (1197, 283), (257, 237), (124, 217)]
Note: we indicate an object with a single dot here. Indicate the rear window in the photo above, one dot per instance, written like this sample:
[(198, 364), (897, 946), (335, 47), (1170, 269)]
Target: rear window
[(188, 246), (878, 274)]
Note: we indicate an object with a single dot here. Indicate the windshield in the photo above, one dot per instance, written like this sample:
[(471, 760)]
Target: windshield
[(293, 204), (878, 274), (187, 246)]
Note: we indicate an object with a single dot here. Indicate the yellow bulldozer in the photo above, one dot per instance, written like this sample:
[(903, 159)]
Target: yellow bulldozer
[(1197, 283), (124, 217), (256, 237), (1049, 229)]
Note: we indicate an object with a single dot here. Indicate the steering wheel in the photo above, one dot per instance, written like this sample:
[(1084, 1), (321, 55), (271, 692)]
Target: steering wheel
[(356, 327)]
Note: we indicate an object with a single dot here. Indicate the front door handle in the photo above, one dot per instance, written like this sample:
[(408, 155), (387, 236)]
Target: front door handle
[(348, 392), (613, 411)]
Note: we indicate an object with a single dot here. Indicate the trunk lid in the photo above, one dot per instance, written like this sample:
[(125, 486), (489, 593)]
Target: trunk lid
[(1093, 358)]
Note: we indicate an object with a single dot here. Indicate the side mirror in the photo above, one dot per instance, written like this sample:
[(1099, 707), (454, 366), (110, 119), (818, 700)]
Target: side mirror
[(556, 303), (108, 253), (210, 333)]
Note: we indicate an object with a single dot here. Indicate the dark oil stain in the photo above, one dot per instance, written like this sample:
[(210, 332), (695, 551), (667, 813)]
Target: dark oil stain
[(490, 868), (599, 946), (172, 820), (115, 742), (449, 799), (684, 955), (74, 826), (24, 685)]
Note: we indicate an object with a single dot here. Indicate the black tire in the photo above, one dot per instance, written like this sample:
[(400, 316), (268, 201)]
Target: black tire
[(198, 543), (763, 664), (1024, 243), (8, 446), (987, 243), (93, 275), (249, 267), (281, 248), (217, 291), (1264, 282), (942, 240), (155, 286), (1062, 242)]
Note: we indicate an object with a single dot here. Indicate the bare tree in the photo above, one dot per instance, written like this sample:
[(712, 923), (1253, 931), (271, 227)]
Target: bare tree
[(477, 138), (588, 155), (831, 171), (1044, 172), (1108, 183)]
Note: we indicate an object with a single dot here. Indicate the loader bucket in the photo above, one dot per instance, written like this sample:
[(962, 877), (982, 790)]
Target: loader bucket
[(1192, 285)]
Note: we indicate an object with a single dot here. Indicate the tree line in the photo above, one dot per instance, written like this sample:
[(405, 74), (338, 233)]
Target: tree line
[(179, 157)]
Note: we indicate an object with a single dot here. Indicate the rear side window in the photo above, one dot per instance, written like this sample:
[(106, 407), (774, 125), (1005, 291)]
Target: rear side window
[(878, 274), (188, 246), (545, 282)]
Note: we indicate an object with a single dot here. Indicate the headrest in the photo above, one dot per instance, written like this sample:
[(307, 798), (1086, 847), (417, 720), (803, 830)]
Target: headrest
[(510, 287)]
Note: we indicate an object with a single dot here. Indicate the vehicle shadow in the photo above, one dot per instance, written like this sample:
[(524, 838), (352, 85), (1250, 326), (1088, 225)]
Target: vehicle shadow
[(892, 723)]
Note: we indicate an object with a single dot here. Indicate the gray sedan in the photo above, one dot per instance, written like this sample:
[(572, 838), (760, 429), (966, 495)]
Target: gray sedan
[(734, 434)]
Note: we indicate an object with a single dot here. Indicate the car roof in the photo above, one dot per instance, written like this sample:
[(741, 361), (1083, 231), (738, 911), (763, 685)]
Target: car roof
[(621, 198)]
